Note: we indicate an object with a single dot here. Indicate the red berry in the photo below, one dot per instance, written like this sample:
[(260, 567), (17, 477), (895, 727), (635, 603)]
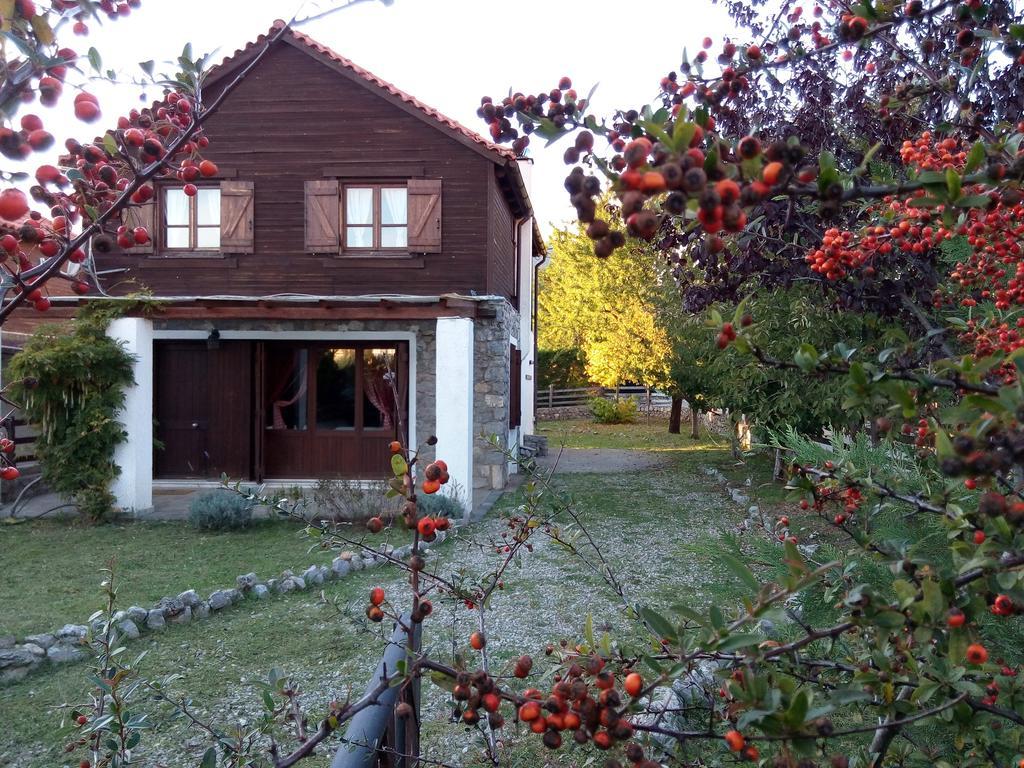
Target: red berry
[(87, 111), (13, 204)]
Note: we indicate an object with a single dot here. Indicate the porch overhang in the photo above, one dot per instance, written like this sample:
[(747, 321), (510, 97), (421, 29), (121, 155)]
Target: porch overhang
[(298, 306)]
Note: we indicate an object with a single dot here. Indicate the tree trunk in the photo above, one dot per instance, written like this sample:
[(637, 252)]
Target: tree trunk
[(675, 415), (694, 423), (777, 472), (734, 441)]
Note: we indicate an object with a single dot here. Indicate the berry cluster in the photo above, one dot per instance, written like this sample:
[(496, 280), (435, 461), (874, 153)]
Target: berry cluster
[(561, 106)]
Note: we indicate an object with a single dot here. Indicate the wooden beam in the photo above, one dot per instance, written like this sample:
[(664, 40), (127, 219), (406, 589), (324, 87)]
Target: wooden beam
[(375, 170), (376, 312)]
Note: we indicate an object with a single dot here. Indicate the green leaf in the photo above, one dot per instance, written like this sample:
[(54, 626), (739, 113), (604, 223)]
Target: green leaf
[(209, 758), (735, 642), (658, 623), (797, 711), (588, 630), (399, 466), (741, 570), (975, 158), (95, 60), (682, 134), (147, 67), (953, 183), (973, 201)]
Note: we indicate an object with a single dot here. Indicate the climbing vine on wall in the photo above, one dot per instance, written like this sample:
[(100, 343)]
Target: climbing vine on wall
[(70, 381)]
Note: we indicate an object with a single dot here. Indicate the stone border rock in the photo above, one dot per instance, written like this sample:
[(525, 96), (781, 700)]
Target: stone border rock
[(73, 641)]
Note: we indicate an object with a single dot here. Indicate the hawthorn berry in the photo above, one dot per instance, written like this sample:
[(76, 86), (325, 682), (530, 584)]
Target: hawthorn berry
[(976, 654)]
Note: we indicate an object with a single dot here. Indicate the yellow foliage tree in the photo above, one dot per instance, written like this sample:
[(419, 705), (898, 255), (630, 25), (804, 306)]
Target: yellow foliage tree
[(616, 310)]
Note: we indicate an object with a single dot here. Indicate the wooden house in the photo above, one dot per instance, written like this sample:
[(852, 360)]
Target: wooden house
[(361, 269)]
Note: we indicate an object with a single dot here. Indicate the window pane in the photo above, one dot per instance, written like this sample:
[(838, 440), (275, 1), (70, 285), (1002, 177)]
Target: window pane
[(394, 237), (287, 383), (208, 237), (177, 237), (358, 205), (358, 237), (336, 389), (175, 207), (378, 388), (392, 205), (208, 206)]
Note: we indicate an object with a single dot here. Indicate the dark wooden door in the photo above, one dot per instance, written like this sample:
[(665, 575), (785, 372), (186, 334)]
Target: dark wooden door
[(203, 409)]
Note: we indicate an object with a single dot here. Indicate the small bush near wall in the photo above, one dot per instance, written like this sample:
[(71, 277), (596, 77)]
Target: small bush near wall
[(350, 500), (561, 368), (440, 505), (613, 411), (220, 510)]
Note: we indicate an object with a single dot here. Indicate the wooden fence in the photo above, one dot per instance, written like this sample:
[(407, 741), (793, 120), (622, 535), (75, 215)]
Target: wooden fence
[(648, 399)]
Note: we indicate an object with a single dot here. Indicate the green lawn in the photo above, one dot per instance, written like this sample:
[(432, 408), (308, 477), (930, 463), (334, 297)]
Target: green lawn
[(675, 504), (51, 568)]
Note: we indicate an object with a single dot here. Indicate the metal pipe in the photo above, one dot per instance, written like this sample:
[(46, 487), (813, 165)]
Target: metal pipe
[(368, 727)]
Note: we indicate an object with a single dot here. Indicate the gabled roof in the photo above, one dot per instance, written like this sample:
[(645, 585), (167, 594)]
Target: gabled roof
[(304, 42)]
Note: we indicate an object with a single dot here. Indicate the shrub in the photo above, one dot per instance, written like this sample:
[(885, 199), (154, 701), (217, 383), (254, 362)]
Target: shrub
[(613, 411), (440, 505), (220, 510), (350, 500)]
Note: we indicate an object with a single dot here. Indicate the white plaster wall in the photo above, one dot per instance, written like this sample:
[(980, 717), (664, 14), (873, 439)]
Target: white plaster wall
[(454, 371), (133, 487), (526, 331), (528, 369)]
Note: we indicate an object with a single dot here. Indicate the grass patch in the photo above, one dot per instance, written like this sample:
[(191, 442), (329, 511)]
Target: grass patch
[(645, 435), (51, 567)]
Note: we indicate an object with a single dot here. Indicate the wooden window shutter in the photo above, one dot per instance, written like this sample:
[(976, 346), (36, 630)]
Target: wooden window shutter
[(515, 388), (323, 216), (424, 215), (141, 216), (236, 216)]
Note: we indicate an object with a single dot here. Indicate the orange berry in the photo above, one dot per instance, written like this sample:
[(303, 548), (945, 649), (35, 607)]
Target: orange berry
[(976, 654), (431, 486), (377, 595), (395, 446), (633, 684), (770, 174), (529, 711), (477, 641), (425, 527), (735, 740)]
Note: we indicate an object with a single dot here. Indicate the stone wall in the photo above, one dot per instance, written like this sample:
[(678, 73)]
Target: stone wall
[(490, 394)]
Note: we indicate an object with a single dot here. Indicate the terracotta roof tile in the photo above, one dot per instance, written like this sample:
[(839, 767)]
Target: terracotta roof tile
[(504, 153)]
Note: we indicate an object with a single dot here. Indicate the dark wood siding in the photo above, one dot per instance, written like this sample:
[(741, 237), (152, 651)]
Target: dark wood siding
[(501, 252), (292, 119)]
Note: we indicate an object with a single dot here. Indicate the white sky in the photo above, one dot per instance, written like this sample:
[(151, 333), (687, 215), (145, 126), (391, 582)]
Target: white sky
[(447, 53)]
